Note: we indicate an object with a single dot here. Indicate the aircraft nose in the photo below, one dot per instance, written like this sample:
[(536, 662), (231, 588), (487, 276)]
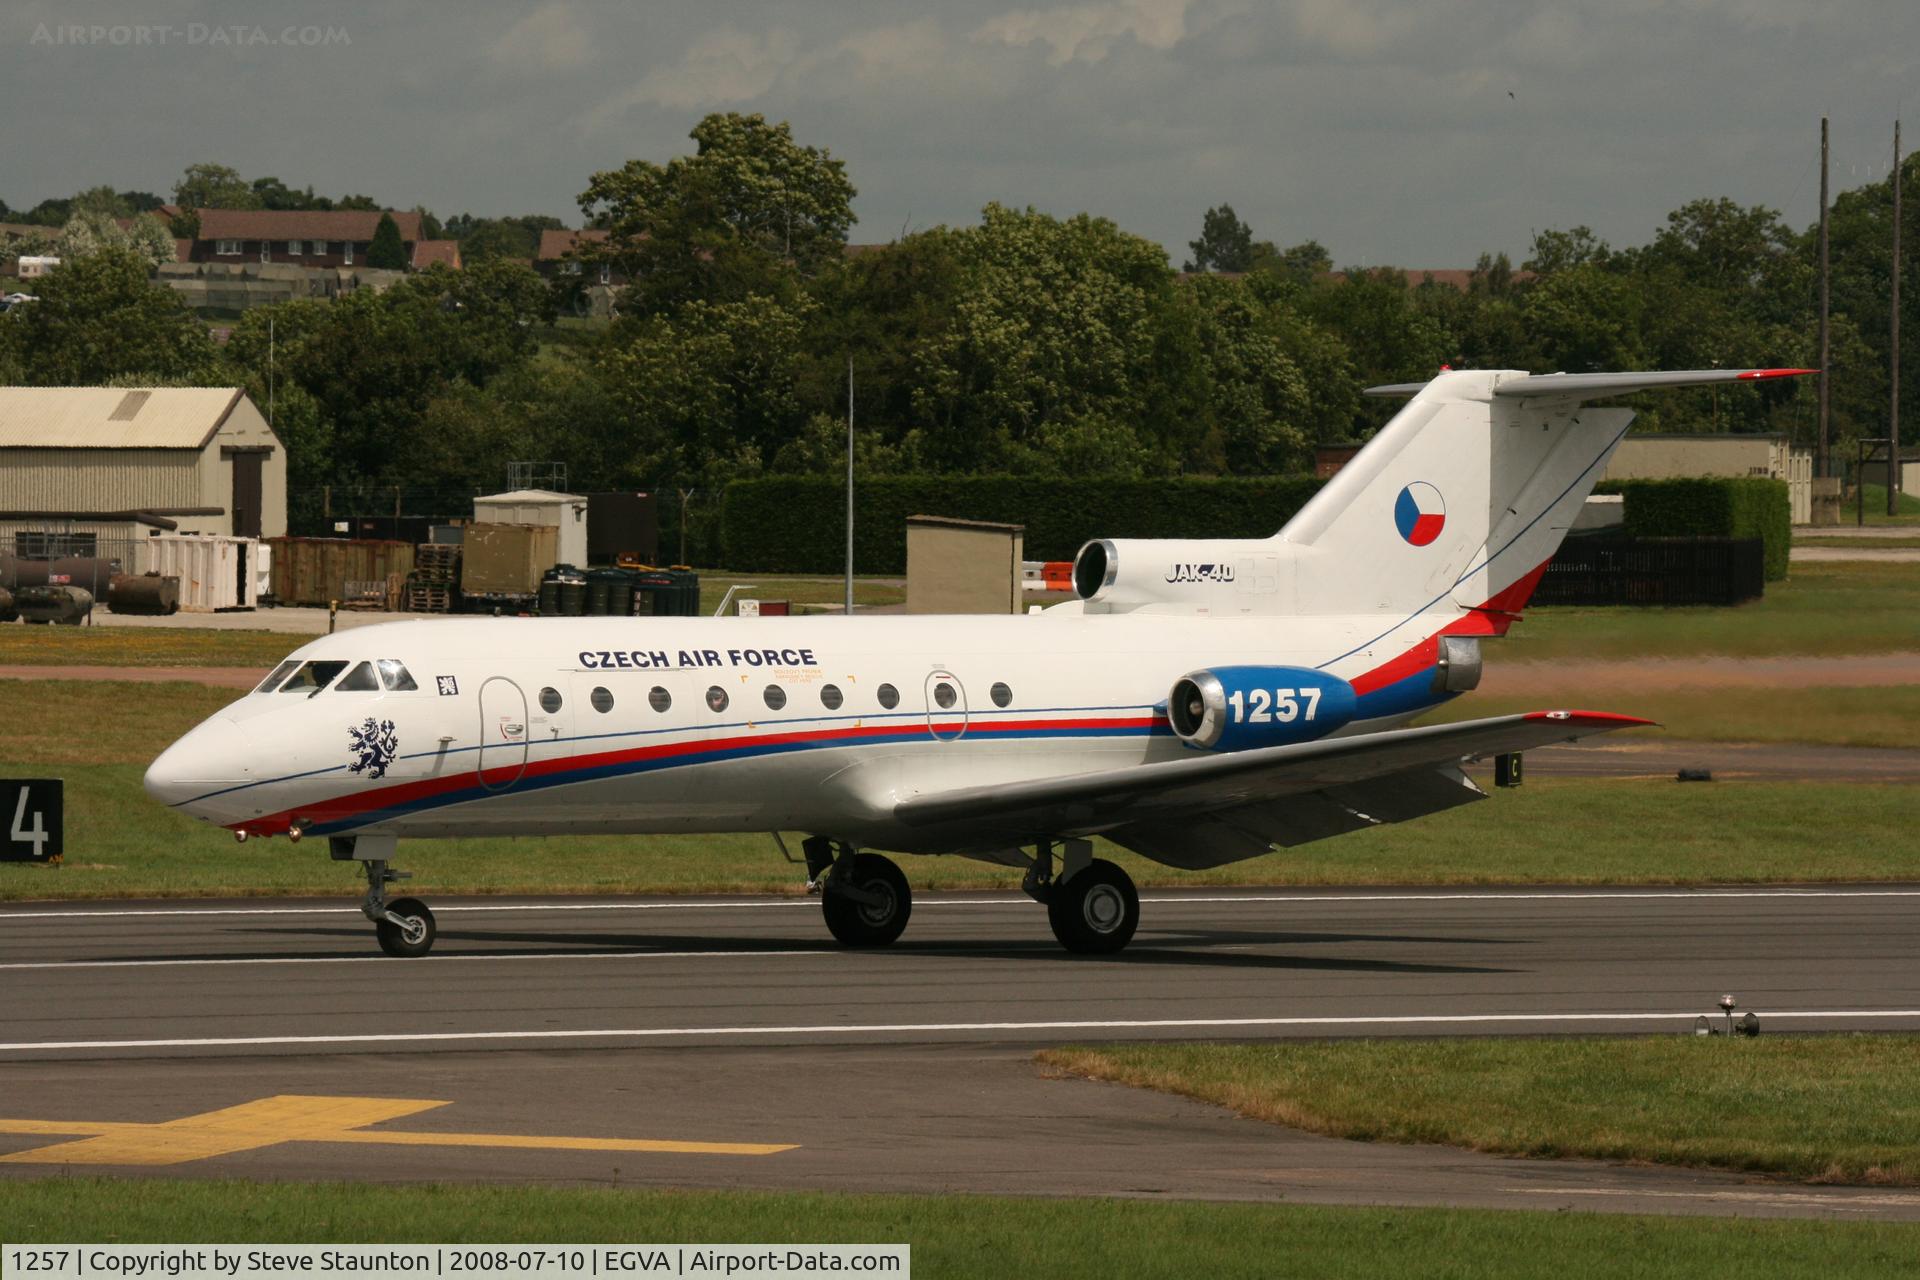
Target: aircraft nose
[(216, 754)]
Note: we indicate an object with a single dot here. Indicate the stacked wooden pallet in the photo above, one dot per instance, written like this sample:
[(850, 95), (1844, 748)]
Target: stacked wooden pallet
[(434, 581)]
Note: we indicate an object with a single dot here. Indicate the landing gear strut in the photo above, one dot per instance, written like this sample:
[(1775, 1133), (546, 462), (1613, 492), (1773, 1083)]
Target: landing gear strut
[(1092, 906), (863, 896), (404, 927)]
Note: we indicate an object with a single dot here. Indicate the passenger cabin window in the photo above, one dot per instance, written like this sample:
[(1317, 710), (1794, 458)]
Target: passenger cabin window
[(889, 696), (830, 697), (549, 700), (944, 695), (395, 674), (602, 700), (776, 697), (716, 699), (1000, 694), (659, 699), (312, 677), (359, 680), (278, 674)]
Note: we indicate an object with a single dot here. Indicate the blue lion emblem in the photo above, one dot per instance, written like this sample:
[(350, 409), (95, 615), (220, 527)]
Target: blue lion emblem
[(373, 746)]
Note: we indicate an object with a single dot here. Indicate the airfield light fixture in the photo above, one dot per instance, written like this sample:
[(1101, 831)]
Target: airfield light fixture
[(1749, 1025), (1702, 1027)]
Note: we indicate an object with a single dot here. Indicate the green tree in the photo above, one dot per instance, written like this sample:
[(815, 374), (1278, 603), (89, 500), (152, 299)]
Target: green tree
[(1050, 349), (1225, 243), (214, 186), (99, 318), (709, 390), (102, 200), (748, 209), (387, 252), (91, 232), (1557, 251)]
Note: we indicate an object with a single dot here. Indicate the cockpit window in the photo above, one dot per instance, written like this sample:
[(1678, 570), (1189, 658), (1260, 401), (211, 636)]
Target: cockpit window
[(395, 673), (359, 680), (280, 673), (312, 677)]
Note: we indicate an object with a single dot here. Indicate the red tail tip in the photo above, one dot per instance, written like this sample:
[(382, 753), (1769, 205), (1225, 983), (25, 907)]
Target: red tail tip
[(1754, 375)]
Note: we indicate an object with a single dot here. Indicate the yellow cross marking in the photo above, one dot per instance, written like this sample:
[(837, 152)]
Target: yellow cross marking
[(298, 1118)]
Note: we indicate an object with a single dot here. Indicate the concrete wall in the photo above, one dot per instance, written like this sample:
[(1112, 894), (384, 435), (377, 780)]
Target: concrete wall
[(963, 566)]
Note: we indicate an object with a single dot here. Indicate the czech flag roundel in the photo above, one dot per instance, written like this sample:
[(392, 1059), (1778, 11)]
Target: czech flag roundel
[(1420, 513)]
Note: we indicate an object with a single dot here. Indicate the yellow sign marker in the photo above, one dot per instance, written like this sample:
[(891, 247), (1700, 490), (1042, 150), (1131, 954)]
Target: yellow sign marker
[(299, 1118)]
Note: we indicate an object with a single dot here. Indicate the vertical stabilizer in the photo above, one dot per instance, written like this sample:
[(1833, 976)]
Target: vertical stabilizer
[(1462, 497)]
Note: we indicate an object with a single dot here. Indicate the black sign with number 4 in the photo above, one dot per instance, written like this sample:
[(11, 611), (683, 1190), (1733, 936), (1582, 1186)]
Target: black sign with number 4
[(30, 819)]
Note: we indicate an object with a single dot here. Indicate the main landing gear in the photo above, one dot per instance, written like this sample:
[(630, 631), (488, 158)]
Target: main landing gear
[(403, 926), (1092, 904), (863, 896)]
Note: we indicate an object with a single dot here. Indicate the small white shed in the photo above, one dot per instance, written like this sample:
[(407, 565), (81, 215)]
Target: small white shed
[(566, 512)]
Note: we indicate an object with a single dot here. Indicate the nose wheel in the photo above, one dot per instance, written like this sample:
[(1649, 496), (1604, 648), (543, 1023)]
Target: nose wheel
[(404, 927)]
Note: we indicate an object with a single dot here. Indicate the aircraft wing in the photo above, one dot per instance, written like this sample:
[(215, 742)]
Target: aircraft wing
[(1213, 809)]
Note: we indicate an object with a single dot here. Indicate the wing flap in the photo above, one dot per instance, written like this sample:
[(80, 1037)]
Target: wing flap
[(1247, 832), (1180, 791)]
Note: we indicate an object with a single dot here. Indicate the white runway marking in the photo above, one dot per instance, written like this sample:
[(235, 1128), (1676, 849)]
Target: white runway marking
[(895, 1028), (1629, 895), (822, 950)]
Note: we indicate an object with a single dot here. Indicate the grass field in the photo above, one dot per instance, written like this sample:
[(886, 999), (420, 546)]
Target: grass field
[(1822, 608), (187, 646), (1813, 1108), (120, 843), (110, 646), (1907, 512), (973, 1236), (1875, 716)]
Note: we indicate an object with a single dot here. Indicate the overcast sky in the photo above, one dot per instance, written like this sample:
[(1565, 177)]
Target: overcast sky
[(1415, 132)]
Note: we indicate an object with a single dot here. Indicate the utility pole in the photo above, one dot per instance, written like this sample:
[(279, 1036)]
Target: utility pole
[(1822, 465), (1893, 409), (849, 604)]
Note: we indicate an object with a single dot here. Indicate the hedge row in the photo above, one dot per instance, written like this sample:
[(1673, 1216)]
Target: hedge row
[(797, 524), (1714, 507)]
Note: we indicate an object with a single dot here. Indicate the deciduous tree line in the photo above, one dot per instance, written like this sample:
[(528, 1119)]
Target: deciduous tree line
[(1024, 343)]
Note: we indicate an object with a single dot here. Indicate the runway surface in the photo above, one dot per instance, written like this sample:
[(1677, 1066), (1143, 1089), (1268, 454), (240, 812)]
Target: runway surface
[(727, 1043)]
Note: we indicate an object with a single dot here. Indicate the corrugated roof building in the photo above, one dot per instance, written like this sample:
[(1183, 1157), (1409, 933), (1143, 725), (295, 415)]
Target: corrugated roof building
[(121, 462)]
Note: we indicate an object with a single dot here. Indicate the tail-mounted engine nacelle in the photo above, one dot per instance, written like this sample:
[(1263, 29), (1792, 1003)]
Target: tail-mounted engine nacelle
[(1234, 708), (1221, 575)]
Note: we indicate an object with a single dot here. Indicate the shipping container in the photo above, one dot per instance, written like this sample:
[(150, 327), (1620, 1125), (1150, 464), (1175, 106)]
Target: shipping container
[(313, 571), (507, 559), (215, 573)]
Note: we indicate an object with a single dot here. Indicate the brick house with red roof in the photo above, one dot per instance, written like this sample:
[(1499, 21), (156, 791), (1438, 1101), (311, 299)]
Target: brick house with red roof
[(305, 237)]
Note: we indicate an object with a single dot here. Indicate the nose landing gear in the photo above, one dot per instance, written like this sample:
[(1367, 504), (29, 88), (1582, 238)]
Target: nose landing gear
[(404, 927)]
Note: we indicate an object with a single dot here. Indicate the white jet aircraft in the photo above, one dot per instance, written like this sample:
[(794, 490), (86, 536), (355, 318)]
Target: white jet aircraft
[(1201, 702)]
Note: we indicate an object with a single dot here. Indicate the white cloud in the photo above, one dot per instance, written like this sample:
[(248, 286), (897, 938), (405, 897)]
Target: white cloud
[(1089, 32), (722, 68), (553, 37)]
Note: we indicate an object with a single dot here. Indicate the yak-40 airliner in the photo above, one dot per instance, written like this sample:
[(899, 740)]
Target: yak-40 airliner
[(1200, 702)]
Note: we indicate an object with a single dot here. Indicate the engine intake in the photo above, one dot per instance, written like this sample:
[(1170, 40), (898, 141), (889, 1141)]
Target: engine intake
[(1219, 576), (1237, 708)]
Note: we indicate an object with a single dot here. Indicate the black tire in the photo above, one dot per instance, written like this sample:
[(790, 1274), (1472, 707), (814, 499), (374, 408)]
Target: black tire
[(405, 943), (858, 924), (1096, 912)]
